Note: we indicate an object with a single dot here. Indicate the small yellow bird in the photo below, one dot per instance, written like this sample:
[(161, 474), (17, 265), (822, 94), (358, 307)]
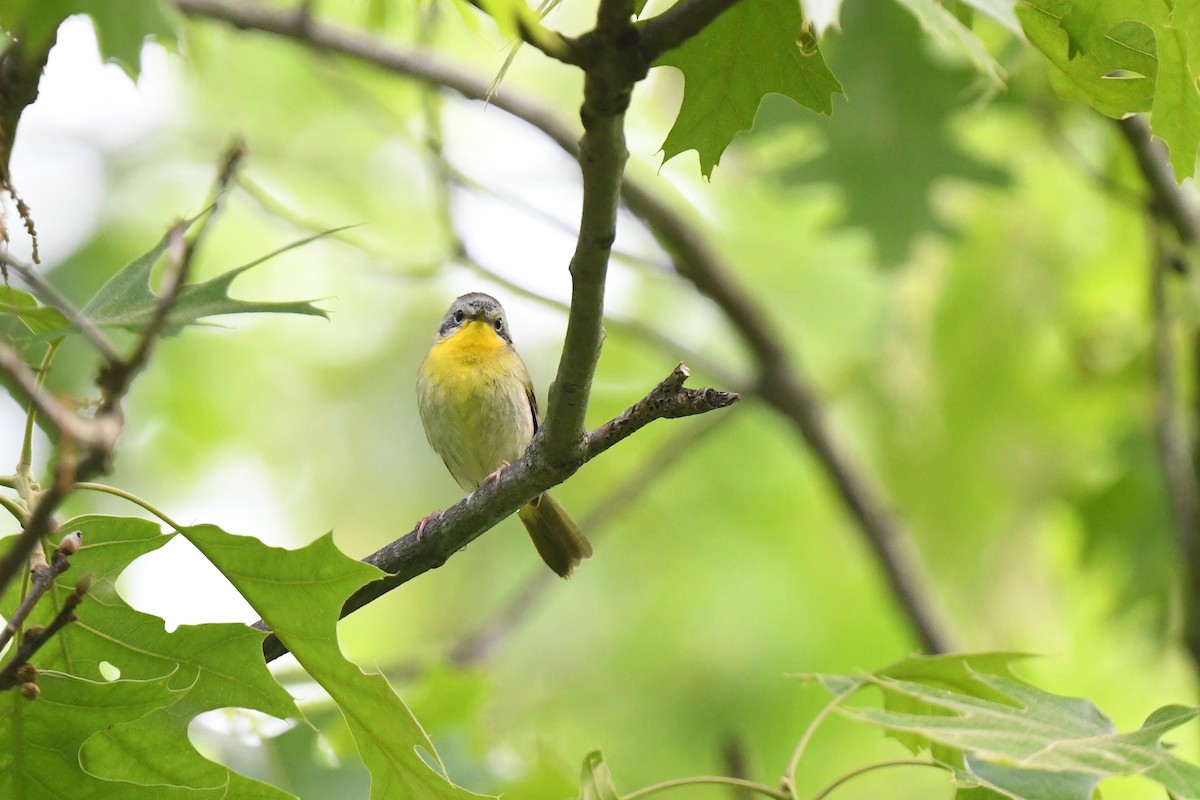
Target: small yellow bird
[(479, 411)]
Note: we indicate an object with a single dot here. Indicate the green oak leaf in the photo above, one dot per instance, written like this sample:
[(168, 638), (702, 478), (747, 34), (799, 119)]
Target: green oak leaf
[(954, 37), (122, 26), (40, 740), (204, 667), (127, 301), (36, 318), (749, 51), (299, 593), (596, 782), (1018, 740), (888, 145), (1121, 57)]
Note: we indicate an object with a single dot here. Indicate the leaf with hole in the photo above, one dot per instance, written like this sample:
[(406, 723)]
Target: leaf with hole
[(299, 593), (138, 739)]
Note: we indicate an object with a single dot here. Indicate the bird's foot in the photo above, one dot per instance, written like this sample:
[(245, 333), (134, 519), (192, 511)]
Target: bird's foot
[(428, 518), (495, 476)]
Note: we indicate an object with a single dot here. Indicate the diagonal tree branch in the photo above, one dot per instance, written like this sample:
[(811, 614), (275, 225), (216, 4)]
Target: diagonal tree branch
[(412, 554), (779, 383)]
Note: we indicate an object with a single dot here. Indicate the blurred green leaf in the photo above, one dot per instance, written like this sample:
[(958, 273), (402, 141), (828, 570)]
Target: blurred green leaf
[(596, 781), (954, 37), (35, 317), (299, 593), (1003, 11), (889, 144), (122, 26), (749, 51), (127, 301), (198, 667), (1019, 740)]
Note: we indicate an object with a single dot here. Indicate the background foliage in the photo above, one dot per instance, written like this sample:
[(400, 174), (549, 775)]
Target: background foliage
[(945, 226)]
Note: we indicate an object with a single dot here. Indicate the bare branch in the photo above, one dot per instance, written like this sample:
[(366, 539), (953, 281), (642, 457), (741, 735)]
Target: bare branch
[(45, 291), (90, 433), (11, 674), (412, 555), (43, 576), (1169, 200), (1174, 437), (37, 524)]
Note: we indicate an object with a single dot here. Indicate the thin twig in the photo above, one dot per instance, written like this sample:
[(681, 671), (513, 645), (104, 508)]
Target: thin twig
[(899, 762), (708, 780), (42, 578), (9, 676), (45, 291), (679, 23), (412, 555), (79, 430), (38, 523)]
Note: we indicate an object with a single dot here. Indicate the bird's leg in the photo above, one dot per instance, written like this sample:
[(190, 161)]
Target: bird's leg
[(425, 520), (495, 476)]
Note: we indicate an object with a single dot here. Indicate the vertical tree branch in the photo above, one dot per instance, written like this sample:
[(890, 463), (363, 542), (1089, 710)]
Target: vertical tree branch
[(607, 85), (1176, 434), (1173, 437)]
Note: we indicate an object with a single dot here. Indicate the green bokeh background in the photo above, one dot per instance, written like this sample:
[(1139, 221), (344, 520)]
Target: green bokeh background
[(972, 305)]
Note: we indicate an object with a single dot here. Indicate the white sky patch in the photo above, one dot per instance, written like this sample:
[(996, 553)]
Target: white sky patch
[(85, 110)]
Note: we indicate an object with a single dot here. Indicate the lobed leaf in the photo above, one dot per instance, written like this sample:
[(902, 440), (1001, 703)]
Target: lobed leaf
[(1122, 57), (299, 593), (127, 301), (139, 742), (122, 26), (1002, 735), (747, 52)]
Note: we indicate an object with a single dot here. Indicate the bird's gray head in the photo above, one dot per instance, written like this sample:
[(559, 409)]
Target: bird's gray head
[(475, 306)]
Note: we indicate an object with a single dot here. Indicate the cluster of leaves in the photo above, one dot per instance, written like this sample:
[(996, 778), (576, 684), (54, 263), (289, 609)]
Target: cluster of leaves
[(119, 691), (994, 734)]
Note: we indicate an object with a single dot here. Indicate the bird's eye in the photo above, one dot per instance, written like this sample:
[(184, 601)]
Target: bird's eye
[(499, 325), (458, 317)]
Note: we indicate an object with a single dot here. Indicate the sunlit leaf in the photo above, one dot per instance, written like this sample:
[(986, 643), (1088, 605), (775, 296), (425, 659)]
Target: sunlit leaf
[(1019, 740), (750, 50), (300, 594), (1120, 57), (200, 668)]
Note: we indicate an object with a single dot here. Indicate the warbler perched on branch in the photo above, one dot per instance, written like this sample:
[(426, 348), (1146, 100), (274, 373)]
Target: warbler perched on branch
[(479, 411)]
